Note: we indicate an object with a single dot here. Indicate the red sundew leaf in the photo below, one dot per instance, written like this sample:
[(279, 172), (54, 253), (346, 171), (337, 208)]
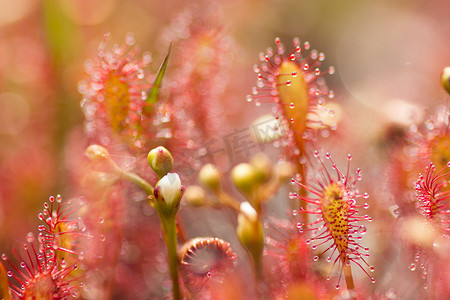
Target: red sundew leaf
[(294, 82), (432, 194), (114, 93), (49, 262), (338, 228)]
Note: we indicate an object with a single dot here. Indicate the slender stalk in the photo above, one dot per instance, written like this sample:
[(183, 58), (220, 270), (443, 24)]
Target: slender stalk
[(228, 200), (349, 280), (260, 287), (136, 179), (180, 230), (303, 193), (169, 228)]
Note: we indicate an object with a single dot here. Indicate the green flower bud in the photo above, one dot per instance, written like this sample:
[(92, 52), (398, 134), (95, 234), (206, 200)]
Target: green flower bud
[(245, 178), (97, 153), (210, 177), (445, 79), (263, 167), (160, 160), (250, 231), (195, 195), (168, 192)]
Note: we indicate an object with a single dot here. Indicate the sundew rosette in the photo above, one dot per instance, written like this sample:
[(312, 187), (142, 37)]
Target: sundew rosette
[(39, 275), (49, 263), (114, 96), (339, 226), (294, 82)]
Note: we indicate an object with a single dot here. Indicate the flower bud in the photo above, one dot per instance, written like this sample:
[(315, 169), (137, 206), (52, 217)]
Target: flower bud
[(247, 214), (262, 166), (195, 196), (244, 177), (160, 160), (97, 153), (210, 177), (250, 231), (445, 79), (168, 192)]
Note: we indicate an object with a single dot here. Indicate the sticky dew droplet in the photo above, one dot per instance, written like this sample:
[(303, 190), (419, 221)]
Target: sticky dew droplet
[(331, 70), (30, 237), (362, 230)]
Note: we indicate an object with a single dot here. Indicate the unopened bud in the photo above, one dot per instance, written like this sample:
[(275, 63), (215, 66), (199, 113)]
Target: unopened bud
[(168, 192), (244, 177), (445, 79), (195, 195), (250, 231), (262, 166), (210, 177), (97, 153), (160, 160)]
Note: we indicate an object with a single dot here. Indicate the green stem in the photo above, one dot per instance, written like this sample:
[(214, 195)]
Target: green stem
[(136, 179), (169, 228), (228, 200)]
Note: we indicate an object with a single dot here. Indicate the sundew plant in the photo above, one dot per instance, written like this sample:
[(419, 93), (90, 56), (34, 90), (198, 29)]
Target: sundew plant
[(238, 149)]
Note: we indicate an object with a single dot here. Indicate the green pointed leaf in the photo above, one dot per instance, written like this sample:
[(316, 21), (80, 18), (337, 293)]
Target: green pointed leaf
[(154, 91)]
